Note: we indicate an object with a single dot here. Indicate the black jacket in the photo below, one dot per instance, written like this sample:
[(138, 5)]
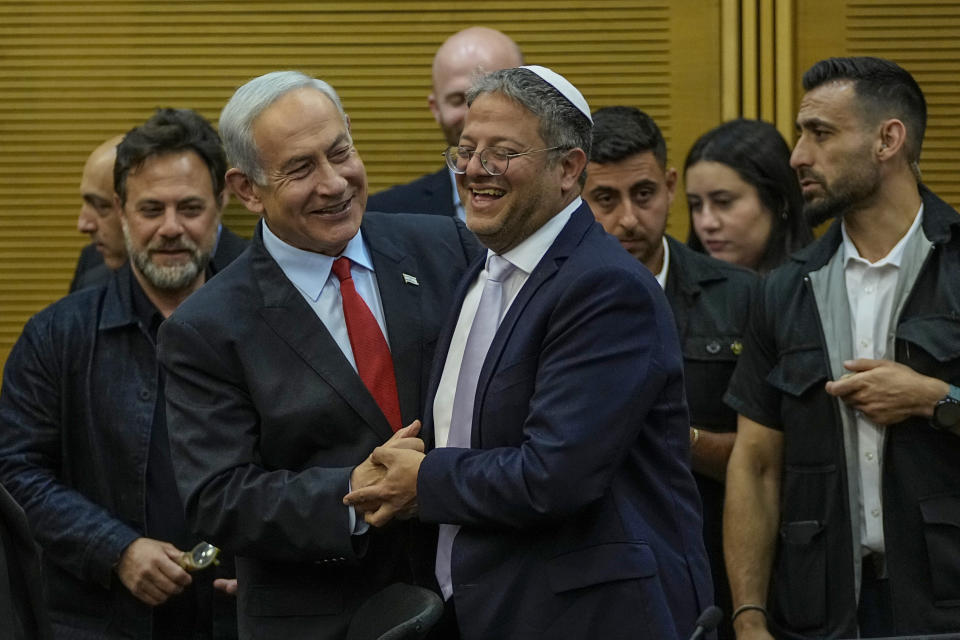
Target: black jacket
[(432, 193), (779, 383), (710, 300)]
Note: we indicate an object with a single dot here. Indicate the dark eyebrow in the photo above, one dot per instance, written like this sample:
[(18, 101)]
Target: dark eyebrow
[(810, 123)]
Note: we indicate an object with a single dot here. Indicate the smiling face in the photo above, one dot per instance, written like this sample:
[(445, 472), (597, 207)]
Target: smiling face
[(504, 210), (631, 199), (834, 156), (170, 220), (728, 216), (316, 188)]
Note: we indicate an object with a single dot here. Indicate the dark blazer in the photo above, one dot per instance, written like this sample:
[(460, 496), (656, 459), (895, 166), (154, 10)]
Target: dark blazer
[(580, 517), (91, 270), (710, 300), (267, 420), (432, 193), (22, 609)]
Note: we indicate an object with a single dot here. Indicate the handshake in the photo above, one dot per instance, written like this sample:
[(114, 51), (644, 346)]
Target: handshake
[(384, 486)]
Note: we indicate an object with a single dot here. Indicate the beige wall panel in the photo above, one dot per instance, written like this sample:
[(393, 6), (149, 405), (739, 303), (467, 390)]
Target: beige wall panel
[(74, 72)]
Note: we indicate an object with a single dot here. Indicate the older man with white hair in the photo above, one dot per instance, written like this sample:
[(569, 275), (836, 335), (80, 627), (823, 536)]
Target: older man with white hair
[(311, 350)]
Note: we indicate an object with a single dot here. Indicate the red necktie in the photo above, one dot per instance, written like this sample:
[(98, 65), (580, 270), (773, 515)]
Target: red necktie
[(370, 350)]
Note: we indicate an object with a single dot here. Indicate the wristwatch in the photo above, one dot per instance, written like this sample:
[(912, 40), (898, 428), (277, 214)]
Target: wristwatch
[(946, 415)]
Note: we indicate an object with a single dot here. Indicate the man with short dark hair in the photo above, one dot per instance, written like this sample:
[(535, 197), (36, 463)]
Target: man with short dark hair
[(843, 483), (559, 474), (629, 189), (83, 438), (100, 218), (465, 54), (292, 365)]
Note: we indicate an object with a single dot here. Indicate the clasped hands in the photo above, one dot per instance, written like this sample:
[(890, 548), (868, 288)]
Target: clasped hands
[(887, 392), (384, 486)]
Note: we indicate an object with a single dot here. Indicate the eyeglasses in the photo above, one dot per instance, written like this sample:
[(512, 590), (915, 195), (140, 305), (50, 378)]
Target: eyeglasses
[(494, 160)]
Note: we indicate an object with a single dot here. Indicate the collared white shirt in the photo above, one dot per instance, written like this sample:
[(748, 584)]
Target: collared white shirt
[(311, 273), (457, 204), (525, 257), (662, 276), (871, 289)]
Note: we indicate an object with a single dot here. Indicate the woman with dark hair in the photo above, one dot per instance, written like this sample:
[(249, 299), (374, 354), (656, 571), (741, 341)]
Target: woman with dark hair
[(744, 198)]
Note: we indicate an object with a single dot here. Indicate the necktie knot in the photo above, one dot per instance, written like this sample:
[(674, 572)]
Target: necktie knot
[(498, 268), (341, 268)]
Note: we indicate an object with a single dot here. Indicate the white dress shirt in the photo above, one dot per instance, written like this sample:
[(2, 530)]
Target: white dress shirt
[(525, 257), (311, 273), (871, 288), (662, 276)]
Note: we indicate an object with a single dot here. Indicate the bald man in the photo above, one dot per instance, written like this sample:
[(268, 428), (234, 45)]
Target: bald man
[(99, 218), (472, 52)]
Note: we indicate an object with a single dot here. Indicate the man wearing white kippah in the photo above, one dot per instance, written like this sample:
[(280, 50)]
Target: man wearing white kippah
[(559, 469)]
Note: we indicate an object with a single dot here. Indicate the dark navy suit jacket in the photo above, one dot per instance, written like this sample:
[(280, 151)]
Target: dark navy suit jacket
[(432, 193), (580, 517), (267, 420)]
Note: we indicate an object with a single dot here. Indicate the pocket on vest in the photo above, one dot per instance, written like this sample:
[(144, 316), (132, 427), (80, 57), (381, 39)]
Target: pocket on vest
[(941, 531)]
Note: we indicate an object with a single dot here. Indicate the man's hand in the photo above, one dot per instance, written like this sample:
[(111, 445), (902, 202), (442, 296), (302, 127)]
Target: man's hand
[(887, 392), (227, 585), (368, 472), (395, 496), (150, 569)]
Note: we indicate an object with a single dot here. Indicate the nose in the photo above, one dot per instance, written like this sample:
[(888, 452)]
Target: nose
[(707, 220), (799, 157), (87, 220), (171, 226), (330, 182), (475, 167), (628, 217)]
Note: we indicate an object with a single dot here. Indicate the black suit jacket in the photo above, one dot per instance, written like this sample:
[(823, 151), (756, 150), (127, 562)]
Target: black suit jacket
[(91, 270), (267, 420), (432, 193), (23, 615)]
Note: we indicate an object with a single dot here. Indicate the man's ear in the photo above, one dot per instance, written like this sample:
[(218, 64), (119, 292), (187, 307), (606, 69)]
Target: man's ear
[(434, 109), (573, 163), (245, 189), (671, 184), (893, 137)]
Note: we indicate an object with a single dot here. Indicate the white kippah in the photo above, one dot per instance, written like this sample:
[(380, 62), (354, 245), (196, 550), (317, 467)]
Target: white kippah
[(564, 86)]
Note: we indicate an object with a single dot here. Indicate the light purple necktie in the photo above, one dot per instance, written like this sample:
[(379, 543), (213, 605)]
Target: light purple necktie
[(481, 334)]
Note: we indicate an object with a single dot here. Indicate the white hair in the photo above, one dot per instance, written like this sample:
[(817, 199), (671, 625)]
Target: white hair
[(248, 102)]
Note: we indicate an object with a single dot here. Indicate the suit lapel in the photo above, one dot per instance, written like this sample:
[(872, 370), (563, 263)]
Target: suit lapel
[(291, 318), (570, 236), (398, 281)]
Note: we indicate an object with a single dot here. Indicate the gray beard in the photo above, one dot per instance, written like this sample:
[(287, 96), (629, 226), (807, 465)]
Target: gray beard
[(168, 278)]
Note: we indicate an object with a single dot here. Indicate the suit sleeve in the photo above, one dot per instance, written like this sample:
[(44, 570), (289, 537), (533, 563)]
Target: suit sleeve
[(75, 533), (598, 371), (230, 498)]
